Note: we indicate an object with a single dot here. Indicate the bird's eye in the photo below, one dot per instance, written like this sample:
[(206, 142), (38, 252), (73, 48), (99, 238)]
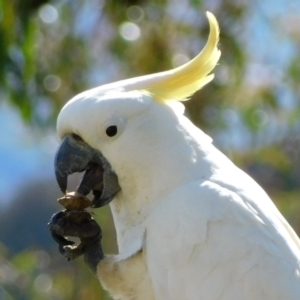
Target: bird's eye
[(111, 130)]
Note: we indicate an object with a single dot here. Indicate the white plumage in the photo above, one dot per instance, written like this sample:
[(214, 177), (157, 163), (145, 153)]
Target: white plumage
[(190, 224)]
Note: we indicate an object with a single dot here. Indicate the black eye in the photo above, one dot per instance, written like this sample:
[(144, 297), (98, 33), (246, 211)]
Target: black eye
[(111, 130)]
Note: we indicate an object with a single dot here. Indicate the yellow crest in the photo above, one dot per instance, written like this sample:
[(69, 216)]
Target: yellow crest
[(179, 83)]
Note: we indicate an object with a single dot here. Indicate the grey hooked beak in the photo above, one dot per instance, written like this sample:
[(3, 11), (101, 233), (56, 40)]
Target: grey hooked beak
[(74, 155)]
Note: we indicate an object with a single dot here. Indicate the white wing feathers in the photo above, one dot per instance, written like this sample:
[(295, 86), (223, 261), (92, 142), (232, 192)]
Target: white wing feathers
[(214, 245)]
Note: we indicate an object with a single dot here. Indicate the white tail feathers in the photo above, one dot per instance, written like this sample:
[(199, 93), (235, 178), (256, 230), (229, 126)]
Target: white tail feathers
[(179, 83)]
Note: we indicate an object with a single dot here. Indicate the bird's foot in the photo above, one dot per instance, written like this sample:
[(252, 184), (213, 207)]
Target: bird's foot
[(78, 224)]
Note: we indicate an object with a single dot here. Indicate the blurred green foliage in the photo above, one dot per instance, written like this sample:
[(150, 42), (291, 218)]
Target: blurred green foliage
[(52, 49), (37, 275)]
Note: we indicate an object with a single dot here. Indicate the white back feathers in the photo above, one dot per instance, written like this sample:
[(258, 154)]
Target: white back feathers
[(179, 83)]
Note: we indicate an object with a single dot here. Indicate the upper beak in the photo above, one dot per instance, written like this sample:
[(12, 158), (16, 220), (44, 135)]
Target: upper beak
[(70, 158), (74, 155)]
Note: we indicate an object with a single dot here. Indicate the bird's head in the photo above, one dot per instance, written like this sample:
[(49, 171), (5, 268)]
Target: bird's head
[(119, 132)]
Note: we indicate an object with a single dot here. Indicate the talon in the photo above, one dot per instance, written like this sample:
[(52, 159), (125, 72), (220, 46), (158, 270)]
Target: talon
[(60, 239), (72, 252), (61, 249), (80, 224), (56, 217)]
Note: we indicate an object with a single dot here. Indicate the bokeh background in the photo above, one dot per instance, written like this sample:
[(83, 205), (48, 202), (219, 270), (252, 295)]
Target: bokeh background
[(52, 49)]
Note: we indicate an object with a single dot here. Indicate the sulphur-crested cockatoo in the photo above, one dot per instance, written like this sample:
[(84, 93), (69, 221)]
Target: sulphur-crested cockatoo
[(190, 224)]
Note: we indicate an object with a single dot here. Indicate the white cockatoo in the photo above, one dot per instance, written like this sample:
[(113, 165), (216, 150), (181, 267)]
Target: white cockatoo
[(190, 224)]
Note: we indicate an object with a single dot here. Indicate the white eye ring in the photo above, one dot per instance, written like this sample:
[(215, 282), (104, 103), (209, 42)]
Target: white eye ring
[(114, 126)]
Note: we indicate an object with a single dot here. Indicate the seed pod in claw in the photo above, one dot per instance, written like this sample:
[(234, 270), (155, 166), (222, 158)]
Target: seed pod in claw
[(74, 201)]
